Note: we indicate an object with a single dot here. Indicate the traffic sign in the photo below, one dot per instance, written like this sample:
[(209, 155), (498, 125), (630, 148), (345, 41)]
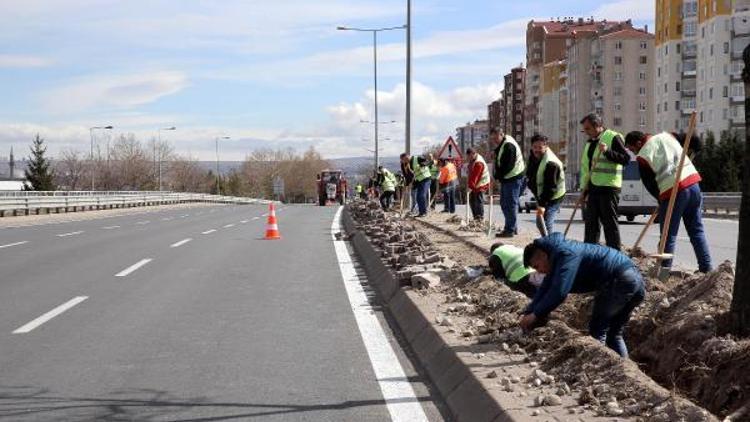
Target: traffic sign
[(450, 151)]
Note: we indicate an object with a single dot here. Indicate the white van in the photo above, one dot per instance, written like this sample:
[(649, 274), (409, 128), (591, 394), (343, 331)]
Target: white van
[(634, 198)]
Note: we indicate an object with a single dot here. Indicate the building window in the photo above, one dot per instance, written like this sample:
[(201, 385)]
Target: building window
[(658, 72), (618, 59), (658, 108), (618, 106), (701, 118), (711, 50), (618, 76), (618, 45), (642, 76), (642, 91), (642, 106), (665, 107), (725, 114), (617, 121), (665, 88), (642, 121), (703, 35), (710, 93), (726, 48), (666, 50), (644, 59), (676, 105), (678, 48), (617, 91), (725, 91), (677, 86), (644, 45)]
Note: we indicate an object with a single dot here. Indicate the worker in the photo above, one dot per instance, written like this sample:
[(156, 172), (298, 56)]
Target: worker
[(478, 183), (448, 181), (409, 184), (387, 183), (546, 176), (434, 175), (360, 191), (506, 262), (422, 179), (658, 157), (575, 267), (600, 186), (509, 171)]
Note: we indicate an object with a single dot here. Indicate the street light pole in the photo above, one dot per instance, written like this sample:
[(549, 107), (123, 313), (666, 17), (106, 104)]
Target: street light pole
[(160, 150), (218, 180), (407, 118), (91, 154), (375, 72)]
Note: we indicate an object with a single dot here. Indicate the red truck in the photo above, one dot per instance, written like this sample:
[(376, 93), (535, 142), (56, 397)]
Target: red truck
[(332, 187)]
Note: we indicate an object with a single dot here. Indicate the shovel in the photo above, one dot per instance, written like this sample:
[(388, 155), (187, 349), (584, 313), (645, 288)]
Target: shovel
[(490, 229), (540, 224), (643, 232), (579, 203)]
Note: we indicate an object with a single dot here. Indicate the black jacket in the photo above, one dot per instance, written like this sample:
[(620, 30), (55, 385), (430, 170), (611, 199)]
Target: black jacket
[(505, 164)]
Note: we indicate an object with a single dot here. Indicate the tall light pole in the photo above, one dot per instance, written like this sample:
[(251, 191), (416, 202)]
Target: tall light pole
[(375, 68), (160, 150), (407, 118), (91, 155), (218, 181), (390, 122)]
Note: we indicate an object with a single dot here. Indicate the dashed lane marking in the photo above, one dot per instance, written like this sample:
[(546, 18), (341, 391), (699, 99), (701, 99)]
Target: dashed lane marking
[(133, 267), (209, 231), (180, 243), (49, 315), (70, 234), (9, 245)]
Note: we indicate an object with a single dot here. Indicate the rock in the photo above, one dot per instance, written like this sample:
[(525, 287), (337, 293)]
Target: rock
[(508, 388), (587, 397), (536, 413), (600, 390), (633, 409), (539, 401), (552, 400), (492, 374), (467, 333), (505, 347), (563, 390), (533, 364), (515, 379), (537, 382), (479, 355), (664, 303), (484, 338), (446, 322), (425, 280)]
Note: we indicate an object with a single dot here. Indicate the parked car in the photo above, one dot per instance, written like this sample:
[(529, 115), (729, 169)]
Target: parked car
[(634, 198)]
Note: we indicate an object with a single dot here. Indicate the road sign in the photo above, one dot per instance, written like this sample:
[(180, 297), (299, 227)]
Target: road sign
[(450, 151), (278, 186)]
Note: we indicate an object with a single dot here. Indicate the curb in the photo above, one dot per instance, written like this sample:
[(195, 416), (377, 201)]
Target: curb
[(464, 393)]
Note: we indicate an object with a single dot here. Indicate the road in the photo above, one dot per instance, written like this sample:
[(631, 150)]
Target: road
[(187, 315), (721, 234)]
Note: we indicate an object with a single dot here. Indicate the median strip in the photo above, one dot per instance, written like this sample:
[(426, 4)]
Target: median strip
[(49, 315), (13, 244), (133, 267), (180, 243)]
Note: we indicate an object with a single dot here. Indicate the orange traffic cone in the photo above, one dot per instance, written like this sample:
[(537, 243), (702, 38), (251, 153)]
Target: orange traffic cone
[(272, 229)]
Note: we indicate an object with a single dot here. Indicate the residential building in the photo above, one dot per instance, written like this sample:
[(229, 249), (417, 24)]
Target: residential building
[(515, 93), (554, 98), (699, 46), (547, 42), (472, 134), (496, 113)]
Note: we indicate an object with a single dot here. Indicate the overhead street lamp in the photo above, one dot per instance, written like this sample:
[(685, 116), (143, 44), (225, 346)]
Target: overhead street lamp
[(91, 155), (407, 139), (158, 131), (218, 180), (375, 73)]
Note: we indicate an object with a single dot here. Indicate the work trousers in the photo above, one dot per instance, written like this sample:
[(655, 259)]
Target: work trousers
[(423, 189), (688, 206), (613, 304), (433, 192), (509, 193), (601, 209), (449, 197), (476, 203), (386, 199)]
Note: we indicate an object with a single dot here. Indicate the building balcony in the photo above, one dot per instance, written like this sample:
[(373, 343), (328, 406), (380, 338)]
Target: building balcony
[(688, 93), (737, 123), (687, 110), (737, 99), (691, 73), (736, 54), (735, 77)]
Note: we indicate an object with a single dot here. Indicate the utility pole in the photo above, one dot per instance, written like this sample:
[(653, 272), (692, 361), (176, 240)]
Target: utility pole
[(407, 118), (740, 310)]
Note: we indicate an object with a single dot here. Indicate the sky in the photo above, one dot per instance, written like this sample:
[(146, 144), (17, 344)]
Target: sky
[(267, 74)]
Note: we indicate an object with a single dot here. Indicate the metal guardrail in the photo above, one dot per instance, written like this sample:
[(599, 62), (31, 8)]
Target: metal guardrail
[(718, 202), (34, 202)]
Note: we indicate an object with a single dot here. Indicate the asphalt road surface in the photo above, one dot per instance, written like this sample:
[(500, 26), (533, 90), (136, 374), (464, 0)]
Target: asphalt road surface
[(721, 234), (186, 315)]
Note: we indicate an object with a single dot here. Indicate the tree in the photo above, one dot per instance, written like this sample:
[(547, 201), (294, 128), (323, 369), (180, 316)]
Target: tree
[(70, 170), (38, 173), (740, 310)]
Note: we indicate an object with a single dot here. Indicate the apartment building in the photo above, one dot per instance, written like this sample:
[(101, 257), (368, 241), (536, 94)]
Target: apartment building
[(496, 113), (547, 42), (514, 95), (472, 134), (698, 54), (554, 107)]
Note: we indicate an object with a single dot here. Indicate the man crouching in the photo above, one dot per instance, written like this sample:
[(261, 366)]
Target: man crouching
[(506, 263), (575, 267)]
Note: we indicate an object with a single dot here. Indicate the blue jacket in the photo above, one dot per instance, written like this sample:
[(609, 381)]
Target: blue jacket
[(575, 268)]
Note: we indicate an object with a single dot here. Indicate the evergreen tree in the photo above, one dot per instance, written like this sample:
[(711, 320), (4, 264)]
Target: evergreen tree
[(38, 173)]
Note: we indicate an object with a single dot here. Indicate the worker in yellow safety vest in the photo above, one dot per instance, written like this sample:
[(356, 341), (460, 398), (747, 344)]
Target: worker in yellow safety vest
[(387, 183), (658, 158), (601, 185), (509, 171), (546, 176), (506, 262)]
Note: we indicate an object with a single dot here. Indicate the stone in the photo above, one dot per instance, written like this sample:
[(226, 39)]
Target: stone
[(515, 379), (533, 364), (537, 382), (425, 280), (536, 413), (552, 400), (467, 333), (492, 374), (484, 339), (539, 401), (446, 322), (505, 347), (508, 388), (601, 389)]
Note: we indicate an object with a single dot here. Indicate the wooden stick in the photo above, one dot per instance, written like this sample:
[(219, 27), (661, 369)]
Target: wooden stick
[(579, 203), (467, 204), (572, 216), (673, 195), (489, 230), (645, 229)]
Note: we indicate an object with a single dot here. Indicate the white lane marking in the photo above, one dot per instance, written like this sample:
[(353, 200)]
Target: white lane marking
[(180, 243), (166, 219), (185, 216), (256, 218), (243, 221), (49, 315), (143, 222), (264, 215), (110, 227), (13, 244), (133, 267), (228, 226), (70, 234), (397, 390), (209, 231)]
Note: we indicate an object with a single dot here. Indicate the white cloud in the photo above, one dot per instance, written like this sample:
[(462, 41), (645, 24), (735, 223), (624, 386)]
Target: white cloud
[(637, 10), (22, 61), (114, 91)]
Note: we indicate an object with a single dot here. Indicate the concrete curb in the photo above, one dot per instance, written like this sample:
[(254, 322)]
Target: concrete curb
[(466, 396)]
